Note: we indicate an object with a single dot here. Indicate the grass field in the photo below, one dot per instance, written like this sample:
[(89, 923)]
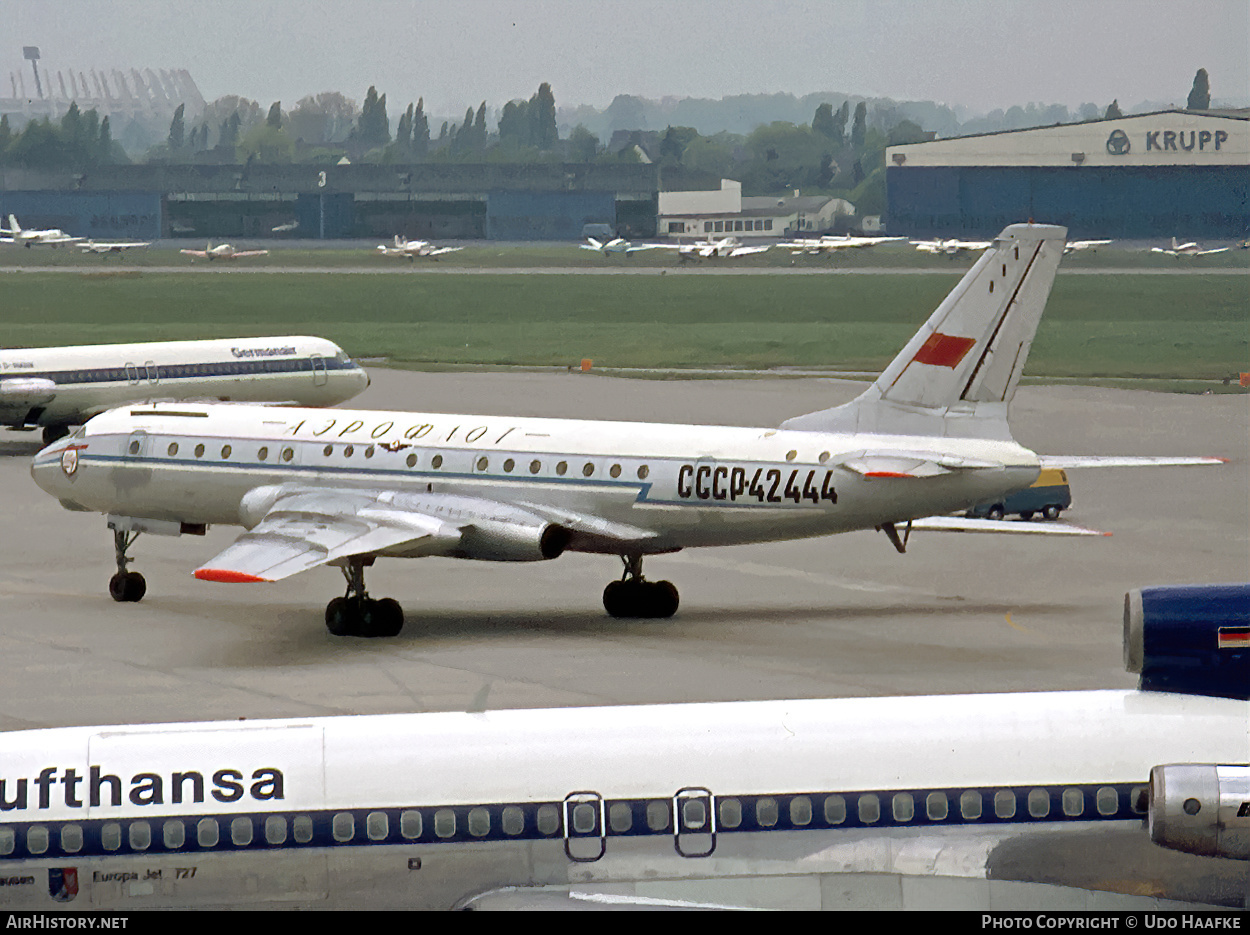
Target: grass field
[(1121, 326)]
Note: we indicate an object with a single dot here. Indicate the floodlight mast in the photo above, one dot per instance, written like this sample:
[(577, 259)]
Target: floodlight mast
[(31, 54)]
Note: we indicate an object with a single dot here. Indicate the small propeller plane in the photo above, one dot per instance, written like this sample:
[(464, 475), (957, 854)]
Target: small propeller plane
[(1076, 246), (223, 251), (315, 487), (52, 237), (1187, 249), (414, 248), (712, 248), (617, 245), (950, 247), (98, 246), (832, 244)]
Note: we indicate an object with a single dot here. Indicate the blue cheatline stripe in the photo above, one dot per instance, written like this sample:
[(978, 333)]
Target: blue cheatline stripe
[(461, 824), (138, 374)]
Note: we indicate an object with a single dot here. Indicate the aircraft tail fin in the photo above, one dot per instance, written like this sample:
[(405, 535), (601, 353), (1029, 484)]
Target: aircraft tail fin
[(14, 227), (959, 372)]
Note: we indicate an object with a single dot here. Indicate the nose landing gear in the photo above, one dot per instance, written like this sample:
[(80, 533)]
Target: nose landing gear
[(357, 614), (125, 586), (634, 596)]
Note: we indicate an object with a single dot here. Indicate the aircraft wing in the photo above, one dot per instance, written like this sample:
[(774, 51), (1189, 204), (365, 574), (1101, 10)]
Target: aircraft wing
[(314, 526), (744, 251), (199, 253), (1019, 527), (303, 527), (436, 251), (1209, 252), (1084, 461), (239, 254)]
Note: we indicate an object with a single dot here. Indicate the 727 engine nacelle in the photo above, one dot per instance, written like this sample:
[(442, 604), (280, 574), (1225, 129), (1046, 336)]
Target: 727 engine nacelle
[(1201, 808), (1190, 639)]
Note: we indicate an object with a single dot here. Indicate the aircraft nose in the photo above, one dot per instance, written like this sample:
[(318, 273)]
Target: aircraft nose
[(54, 466)]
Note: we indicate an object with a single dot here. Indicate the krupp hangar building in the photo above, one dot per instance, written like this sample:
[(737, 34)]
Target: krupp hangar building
[(1172, 173)]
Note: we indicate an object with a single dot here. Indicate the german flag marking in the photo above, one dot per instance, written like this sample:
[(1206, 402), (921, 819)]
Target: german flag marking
[(1233, 638), (943, 350)]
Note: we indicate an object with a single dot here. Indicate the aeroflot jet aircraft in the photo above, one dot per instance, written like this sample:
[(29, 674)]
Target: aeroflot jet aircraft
[(748, 804), (314, 488), (56, 387)]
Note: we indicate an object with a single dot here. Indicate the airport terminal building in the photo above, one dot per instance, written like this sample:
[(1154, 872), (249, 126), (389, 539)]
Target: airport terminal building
[(1172, 173)]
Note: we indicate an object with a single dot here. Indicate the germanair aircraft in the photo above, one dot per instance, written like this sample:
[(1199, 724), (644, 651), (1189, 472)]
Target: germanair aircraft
[(58, 387), (1123, 799), (312, 487)]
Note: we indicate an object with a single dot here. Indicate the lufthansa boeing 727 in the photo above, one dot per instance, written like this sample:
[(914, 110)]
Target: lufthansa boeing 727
[(57, 387), (312, 488), (1068, 800)]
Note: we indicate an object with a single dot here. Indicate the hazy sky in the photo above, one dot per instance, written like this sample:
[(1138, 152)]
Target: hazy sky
[(457, 53)]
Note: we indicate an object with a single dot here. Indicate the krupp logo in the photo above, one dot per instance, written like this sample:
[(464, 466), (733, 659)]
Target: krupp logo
[(1118, 143)]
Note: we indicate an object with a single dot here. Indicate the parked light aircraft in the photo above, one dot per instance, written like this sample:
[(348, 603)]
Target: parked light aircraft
[(414, 248), (832, 244), (929, 437), (223, 251), (56, 387), (1187, 249), (710, 248), (970, 800), (1075, 246), (617, 245), (52, 237), (94, 246), (950, 247), (286, 228)]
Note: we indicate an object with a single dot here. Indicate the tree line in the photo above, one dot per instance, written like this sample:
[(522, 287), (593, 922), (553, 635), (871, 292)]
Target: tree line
[(840, 152)]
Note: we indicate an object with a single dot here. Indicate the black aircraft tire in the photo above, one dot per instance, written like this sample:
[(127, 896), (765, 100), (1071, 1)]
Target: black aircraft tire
[(53, 433), (127, 587), (663, 600), (389, 617), (339, 617), (621, 599), (1050, 513)]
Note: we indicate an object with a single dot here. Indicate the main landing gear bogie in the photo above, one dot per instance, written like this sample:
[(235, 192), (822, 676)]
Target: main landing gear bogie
[(356, 613), (634, 596)]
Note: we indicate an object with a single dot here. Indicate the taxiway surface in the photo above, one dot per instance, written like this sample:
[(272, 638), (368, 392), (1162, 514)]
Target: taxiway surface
[(839, 616)]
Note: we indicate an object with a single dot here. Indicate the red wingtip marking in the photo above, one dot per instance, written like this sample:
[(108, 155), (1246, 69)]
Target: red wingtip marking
[(226, 576), (887, 474)]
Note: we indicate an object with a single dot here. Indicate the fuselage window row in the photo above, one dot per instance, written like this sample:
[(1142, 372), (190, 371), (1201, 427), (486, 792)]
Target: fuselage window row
[(543, 820), (412, 460), (155, 373)]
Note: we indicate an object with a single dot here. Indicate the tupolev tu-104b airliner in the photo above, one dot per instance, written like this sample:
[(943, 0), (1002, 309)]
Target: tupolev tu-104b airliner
[(316, 487)]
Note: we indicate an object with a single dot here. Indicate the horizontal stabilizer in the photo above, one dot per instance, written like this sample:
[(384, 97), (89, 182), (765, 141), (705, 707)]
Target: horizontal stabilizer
[(909, 463), (1087, 461), (1011, 527)]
